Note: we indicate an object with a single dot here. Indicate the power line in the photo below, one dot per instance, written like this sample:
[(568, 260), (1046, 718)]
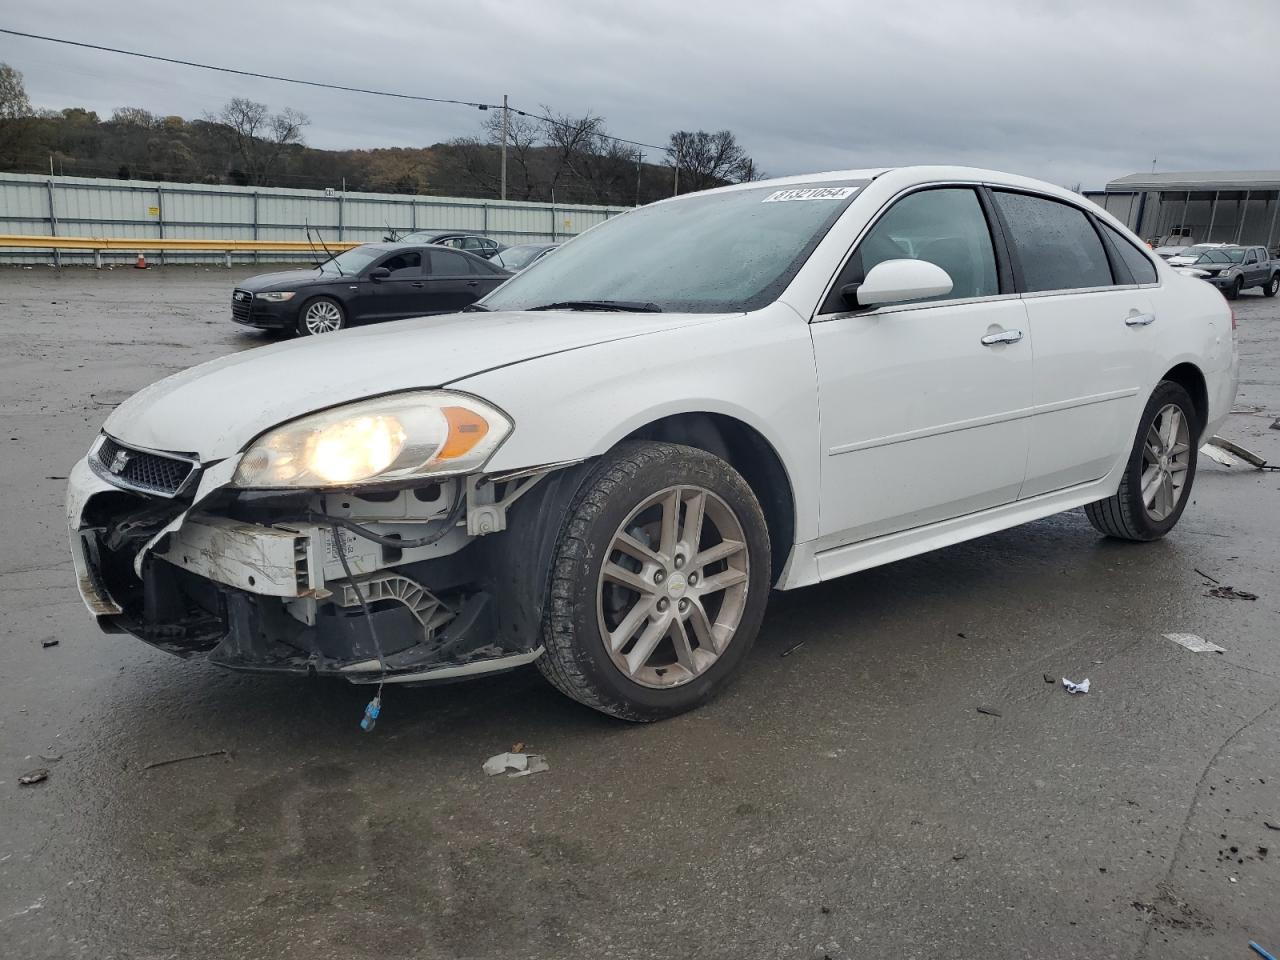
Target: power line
[(313, 83)]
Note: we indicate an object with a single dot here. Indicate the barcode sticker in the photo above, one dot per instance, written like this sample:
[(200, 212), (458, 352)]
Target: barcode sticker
[(810, 193)]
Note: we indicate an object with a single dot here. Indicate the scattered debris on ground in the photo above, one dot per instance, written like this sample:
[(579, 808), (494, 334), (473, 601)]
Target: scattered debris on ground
[(48, 642), (1206, 576), (1230, 593), (518, 747), (1048, 678), (990, 711), (1276, 425), (792, 649), (1224, 451), (521, 764), (193, 756), (1193, 643), (33, 776), (1073, 687), (1271, 826), (1260, 951)]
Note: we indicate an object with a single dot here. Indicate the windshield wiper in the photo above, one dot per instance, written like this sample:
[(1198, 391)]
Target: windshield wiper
[(474, 308), (617, 306)]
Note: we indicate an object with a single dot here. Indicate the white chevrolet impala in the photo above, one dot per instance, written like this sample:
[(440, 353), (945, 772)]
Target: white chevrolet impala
[(606, 465)]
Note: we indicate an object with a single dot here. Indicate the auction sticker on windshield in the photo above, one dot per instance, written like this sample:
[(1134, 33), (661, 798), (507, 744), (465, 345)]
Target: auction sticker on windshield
[(810, 193)]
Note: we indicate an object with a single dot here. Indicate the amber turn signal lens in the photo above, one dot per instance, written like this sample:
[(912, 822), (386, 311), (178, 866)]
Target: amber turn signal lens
[(466, 429)]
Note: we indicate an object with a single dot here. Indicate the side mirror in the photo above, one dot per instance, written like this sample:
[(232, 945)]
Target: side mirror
[(895, 281), (378, 274)]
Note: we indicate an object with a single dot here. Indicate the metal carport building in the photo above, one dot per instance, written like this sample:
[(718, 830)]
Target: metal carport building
[(1217, 206)]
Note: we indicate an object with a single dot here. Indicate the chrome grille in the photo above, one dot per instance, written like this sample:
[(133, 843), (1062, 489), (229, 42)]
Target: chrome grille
[(241, 305), (141, 470)]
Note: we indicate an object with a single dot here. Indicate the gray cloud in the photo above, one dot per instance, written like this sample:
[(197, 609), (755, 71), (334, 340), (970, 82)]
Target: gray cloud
[(1070, 92)]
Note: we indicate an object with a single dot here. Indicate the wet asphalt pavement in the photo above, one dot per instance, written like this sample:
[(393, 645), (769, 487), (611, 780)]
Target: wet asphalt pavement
[(844, 798)]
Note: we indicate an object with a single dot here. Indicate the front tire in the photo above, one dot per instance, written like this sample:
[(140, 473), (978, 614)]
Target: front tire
[(321, 315), (1233, 292), (659, 582), (1272, 286), (1159, 473)]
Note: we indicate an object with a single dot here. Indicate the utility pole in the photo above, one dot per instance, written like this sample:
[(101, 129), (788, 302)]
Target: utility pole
[(504, 147), (676, 191), (639, 167)]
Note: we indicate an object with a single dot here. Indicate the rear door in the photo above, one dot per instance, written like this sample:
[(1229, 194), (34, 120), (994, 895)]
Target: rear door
[(922, 404), (1255, 269), (451, 284), (1094, 332)]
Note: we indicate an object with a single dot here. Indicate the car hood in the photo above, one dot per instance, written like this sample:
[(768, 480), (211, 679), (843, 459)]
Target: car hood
[(212, 411), (282, 280)]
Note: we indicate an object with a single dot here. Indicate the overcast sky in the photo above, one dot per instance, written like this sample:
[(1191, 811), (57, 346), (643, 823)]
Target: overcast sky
[(1073, 91)]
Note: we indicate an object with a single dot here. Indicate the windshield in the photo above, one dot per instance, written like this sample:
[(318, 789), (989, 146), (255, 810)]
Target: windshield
[(724, 252), (513, 258), (351, 262)]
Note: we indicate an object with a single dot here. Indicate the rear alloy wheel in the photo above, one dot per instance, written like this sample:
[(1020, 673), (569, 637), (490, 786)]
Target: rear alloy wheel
[(1233, 291), (322, 315), (1272, 287), (659, 582), (1158, 476)]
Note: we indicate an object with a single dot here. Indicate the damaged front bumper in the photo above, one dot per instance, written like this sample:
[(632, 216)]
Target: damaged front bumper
[(256, 582)]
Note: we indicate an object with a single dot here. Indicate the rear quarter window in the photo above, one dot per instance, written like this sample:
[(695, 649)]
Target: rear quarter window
[(1139, 264), (1056, 245)]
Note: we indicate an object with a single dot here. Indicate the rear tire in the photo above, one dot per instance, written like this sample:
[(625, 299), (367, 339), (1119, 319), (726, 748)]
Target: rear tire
[(1272, 286), (1151, 498), (637, 623), (1233, 291)]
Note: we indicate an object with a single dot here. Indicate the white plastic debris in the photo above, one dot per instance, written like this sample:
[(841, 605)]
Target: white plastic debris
[(522, 764), (1193, 643), (1218, 455), (537, 764), (1073, 687)]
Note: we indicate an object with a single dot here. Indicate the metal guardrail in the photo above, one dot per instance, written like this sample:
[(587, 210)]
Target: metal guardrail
[(15, 241)]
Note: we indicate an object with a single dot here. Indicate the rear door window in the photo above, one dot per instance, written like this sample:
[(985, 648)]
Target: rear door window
[(1139, 264), (446, 263), (1055, 244)]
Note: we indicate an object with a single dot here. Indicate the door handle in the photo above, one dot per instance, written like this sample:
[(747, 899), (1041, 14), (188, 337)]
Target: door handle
[(417, 283), (1004, 336), (1140, 319), (473, 283)]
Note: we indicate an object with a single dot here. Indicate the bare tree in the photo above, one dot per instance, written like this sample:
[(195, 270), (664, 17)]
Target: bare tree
[(13, 94), (707, 160), (133, 117), (260, 138), (569, 139)]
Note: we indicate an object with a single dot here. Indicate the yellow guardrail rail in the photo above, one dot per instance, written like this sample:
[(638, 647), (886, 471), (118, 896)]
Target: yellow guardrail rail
[(14, 240), (140, 245)]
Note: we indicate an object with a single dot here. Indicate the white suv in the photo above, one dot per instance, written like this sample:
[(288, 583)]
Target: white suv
[(608, 463)]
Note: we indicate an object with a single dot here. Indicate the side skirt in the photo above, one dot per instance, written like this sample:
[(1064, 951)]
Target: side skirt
[(809, 565)]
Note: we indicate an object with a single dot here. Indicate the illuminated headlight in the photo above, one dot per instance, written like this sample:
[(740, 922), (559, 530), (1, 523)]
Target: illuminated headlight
[(389, 439), (275, 296)]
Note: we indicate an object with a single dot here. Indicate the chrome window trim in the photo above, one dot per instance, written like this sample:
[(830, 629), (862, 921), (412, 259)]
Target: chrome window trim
[(817, 317)]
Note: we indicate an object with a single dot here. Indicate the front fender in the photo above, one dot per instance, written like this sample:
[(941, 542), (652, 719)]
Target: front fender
[(757, 368)]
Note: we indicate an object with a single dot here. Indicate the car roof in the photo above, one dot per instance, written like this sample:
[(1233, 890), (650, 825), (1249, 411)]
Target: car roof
[(905, 176)]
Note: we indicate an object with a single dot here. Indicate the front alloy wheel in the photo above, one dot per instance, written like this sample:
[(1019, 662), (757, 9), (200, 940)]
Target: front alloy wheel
[(322, 315), (673, 587), (659, 582)]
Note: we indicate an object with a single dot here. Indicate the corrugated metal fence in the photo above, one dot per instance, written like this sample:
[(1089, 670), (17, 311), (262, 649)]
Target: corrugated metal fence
[(91, 207)]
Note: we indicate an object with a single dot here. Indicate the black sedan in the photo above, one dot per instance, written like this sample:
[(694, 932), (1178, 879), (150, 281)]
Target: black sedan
[(472, 243), (366, 284)]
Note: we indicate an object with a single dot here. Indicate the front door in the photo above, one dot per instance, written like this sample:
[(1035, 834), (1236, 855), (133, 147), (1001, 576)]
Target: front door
[(396, 296), (923, 404)]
